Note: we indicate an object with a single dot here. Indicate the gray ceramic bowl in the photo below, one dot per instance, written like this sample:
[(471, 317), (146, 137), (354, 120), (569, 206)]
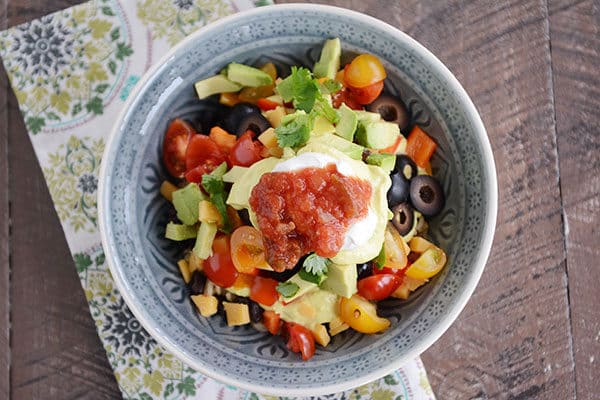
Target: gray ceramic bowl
[(133, 214)]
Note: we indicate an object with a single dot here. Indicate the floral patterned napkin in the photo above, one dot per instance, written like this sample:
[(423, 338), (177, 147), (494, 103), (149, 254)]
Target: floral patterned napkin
[(71, 72)]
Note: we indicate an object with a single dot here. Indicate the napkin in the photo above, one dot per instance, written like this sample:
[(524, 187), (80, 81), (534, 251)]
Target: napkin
[(71, 72)]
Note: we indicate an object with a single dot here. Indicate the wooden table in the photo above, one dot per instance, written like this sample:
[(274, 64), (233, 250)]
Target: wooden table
[(532, 328)]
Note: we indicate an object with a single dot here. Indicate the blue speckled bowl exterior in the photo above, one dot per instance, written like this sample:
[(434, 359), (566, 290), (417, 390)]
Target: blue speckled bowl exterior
[(133, 214)]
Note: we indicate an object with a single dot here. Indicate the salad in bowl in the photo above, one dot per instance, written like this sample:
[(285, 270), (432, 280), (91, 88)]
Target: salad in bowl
[(306, 204)]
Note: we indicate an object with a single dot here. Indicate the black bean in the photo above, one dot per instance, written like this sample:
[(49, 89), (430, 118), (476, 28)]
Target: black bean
[(256, 312), (196, 285)]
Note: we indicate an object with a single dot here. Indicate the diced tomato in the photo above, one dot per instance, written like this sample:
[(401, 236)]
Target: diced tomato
[(202, 156), (344, 96), (175, 145), (364, 70), (420, 147), (272, 321), (222, 138), (264, 291), (378, 287), (266, 104), (246, 151), (300, 340), (367, 94), (219, 268)]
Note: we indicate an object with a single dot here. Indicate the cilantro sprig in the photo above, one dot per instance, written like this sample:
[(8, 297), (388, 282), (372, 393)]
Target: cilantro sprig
[(215, 187), (314, 269), (287, 289)]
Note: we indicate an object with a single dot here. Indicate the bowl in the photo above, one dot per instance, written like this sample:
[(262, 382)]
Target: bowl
[(132, 213)]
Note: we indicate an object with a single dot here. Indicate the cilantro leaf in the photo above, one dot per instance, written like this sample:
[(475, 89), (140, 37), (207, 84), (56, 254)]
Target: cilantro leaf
[(316, 265), (213, 185), (294, 130), (379, 261), (310, 277), (323, 107), (287, 289), (301, 88), (330, 86)]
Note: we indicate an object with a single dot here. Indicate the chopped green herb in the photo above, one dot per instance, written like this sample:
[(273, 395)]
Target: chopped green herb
[(325, 109), (379, 261), (330, 86), (310, 277), (287, 289), (316, 265), (215, 187), (294, 130)]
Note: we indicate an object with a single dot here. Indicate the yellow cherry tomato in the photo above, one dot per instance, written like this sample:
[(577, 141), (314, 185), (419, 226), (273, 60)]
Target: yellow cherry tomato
[(428, 264), (247, 250), (364, 70), (394, 248), (361, 315)]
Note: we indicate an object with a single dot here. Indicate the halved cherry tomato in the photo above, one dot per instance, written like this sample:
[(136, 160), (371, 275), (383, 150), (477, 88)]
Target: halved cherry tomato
[(399, 272), (393, 244), (378, 287), (175, 145), (361, 315), (266, 104), (246, 151), (367, 94), (344, 96), (263, 291), (202, 156), (300, 340), (248, 250), (219, 268), (272, 321), (364, 70)]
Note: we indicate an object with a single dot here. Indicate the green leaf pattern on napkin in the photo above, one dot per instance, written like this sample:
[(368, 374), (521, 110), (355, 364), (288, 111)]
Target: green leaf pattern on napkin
[(66, 70)]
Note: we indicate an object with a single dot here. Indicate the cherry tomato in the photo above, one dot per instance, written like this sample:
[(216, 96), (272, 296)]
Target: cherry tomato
[(428, 264), (248, 250), (378, 287), (399, 272), (266, 104), (344, 96), (300, 340), (246, 151), (219, 268), (263, 291), (361, 315), (272, 321), (175, 145), (202, 156), (393, 244), (367, 94), (364, 70)]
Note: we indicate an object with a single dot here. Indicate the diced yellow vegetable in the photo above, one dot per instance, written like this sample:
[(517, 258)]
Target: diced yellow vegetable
[(276, 152), (337, 326), (408, 285), (207, 305), (167, 189), (185, 270), (321, 336), (194, 262), (274, 116), (268, 138), (237, 313), (229, 99), (207, 212), (419, 244)]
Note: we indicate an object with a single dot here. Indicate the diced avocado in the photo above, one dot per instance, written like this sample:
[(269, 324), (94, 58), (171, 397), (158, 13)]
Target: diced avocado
[(322, 126), (247, 76), (220, 170), (288, 152), (329, 62), (180, 232), (234, 174), (352, 150), (186, 202), (377, 135), (242, 291), (341, 280), (346, 127), (368, 116), (239, 194), (303, 288), (215, 84), (204, 240), (383, 160)]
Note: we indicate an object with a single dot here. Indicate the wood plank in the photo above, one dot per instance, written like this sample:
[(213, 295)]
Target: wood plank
[(513, 338), (56, 353), (575, 38), (4, 232)]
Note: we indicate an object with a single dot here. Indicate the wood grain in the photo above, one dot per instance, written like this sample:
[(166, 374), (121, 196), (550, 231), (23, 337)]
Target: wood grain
[(4, 233), (575, 35)]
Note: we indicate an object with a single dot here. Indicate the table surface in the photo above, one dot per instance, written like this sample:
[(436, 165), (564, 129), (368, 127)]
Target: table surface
[(532, 327)]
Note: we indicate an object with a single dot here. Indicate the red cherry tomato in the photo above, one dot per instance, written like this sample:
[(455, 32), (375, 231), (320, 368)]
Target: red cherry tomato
[(219, 268), (264, 291), (378, 287), (246, 151), (367, 94), (387, 270), (272, 321), (300, 340), (202, 156), (344, 96), (266, 104), (175, 145)]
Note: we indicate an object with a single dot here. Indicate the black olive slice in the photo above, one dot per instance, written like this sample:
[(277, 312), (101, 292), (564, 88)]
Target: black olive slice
[(256, 312), (399, 191), (236, 114), (404, 218), (427, 195), (255, 122), (406, 166), (391, 109), (196, 285), (364, 270)]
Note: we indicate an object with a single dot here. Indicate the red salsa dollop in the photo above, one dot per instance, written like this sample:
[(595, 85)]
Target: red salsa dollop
[(307, 210)]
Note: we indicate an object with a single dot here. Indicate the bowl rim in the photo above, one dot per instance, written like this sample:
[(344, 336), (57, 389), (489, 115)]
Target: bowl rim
[(479, 261)]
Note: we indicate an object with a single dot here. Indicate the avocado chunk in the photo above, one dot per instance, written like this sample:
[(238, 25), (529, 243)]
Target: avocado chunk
[(204, 240), (346, 127), (180, 232), (352, 150), (341, 280), (368, 116), (383, 160), (322, 126), (239, 195), (186, 202), (303, 288), (329, 62), (377, 135), (248, 76), (215, 84), (234, 174)]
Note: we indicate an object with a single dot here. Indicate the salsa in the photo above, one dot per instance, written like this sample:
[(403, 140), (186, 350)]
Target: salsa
[(307, 210)]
